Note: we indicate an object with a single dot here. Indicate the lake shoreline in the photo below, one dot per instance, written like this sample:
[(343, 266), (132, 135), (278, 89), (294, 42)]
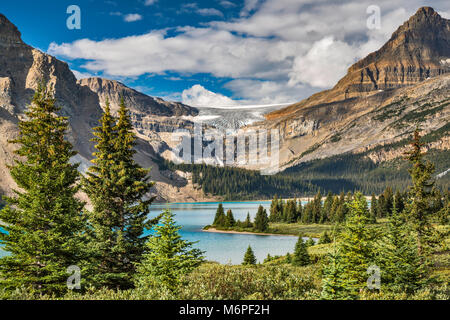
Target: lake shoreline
[(214, 230)]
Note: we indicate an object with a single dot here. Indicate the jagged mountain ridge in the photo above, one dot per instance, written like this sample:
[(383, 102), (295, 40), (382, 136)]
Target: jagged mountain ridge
[(411, 82), (417, 50), (23, 67)]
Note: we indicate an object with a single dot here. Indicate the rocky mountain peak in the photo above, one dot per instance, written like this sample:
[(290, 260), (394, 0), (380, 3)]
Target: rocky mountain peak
[(8, 31)]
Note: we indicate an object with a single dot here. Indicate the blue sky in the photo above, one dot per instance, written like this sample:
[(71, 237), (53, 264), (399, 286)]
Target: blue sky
[(216, 52)]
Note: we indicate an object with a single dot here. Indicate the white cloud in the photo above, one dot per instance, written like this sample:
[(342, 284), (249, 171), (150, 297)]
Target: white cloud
[(227, 4), (267, 92), (150, 2), (132, 17), (198, 96), (282, 48), (209, 12), (324, 64)]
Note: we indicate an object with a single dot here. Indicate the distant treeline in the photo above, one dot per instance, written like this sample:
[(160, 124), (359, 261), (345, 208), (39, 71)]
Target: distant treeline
[(343, 173), (330, 209)]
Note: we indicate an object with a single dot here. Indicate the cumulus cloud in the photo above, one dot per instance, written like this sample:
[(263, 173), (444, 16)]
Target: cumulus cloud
[(295, 46), (324, 64), (199, 97), (132, 17)]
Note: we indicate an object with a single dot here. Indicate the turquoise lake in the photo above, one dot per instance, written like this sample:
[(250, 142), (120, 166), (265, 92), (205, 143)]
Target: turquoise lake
[(221, 247)]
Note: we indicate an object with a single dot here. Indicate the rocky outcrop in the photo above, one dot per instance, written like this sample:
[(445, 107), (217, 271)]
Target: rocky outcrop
[(140, 104), (23, 68)]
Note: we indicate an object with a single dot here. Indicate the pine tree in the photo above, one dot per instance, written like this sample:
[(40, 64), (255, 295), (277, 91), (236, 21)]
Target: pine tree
[(335, 286), (402, 267), (310, 242), (301, 255), (356, 243), (261, 220), (324, 238), (229, 220), (219, 219), (327, 205), (43, 223), (116, 186), (288, 258), (168, 257), (419, 209), (249, 257), (373, 209), (248, 223)]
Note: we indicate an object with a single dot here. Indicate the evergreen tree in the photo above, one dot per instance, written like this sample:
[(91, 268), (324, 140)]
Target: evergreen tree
[(310, 242), (403, 269), (381, 207), (43, 223), (299, 211), (274, 214), (249, 257), (419, 209), (291, 211), (324, 238), (261, 220), (400, 202), (288, 258), (219, 219), (373, 209), (444, 213), (317, 208), (388, 201), (116, 186), (327, 205), (248, 223), (356, 243), (335, 286), (334, 209), (229, 220), (301, 255), (168, 257)]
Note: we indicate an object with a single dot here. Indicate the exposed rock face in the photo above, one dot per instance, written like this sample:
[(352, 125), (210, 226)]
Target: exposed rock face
[(383, 97), (22, 68), (418, 50), (139, 103)]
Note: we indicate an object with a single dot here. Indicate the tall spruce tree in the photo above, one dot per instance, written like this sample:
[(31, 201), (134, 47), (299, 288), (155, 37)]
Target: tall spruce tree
[(229, 220), (356, 243), (168, 257), (419, 208), (261, 220), (403, 270), (249, 257), (301, 255), (43, 223), (220, 218), (335, 286), (117, 186)]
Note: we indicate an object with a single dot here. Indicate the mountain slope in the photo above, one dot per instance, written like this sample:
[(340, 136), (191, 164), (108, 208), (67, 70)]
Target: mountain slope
[(22, 68), (419, 49), (381, 100)]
